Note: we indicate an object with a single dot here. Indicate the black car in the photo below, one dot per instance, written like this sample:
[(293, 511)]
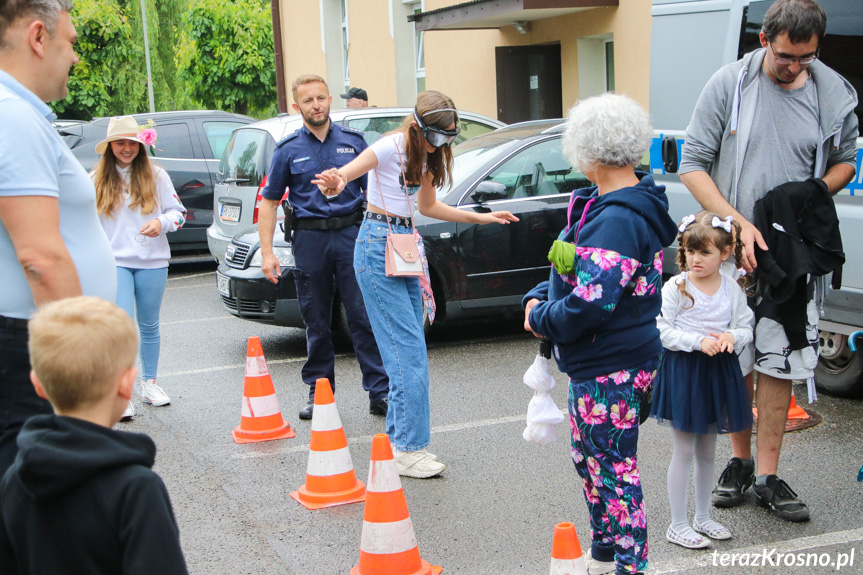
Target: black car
[(475, 270), (189, 147)]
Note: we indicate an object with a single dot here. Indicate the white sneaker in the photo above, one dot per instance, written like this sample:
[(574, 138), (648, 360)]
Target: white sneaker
[(418, 464), (595, 567), (154, 394), (129, 413)]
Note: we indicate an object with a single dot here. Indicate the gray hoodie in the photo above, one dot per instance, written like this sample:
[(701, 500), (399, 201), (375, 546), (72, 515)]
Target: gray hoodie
[(721, 125)]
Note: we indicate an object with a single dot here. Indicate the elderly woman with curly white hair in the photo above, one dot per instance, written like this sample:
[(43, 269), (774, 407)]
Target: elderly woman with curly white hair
[(599, 309)]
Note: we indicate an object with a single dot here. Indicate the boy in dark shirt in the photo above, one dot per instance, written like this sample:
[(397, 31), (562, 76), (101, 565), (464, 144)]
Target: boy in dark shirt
[(81, 497)]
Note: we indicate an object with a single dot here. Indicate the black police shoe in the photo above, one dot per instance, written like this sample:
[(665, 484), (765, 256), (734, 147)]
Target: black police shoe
[(306, 412), (378, 406), (733, 483), (781, 500)]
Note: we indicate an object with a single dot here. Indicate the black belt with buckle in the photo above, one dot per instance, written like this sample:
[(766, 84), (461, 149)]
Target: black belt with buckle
[(393, 220), (336, 223), (13, 323)]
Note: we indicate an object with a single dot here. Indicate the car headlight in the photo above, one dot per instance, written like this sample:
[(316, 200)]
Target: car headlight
[(284, 255)]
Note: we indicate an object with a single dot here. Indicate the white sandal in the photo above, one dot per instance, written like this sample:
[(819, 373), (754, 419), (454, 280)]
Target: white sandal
[(713, 530), (697, 542)]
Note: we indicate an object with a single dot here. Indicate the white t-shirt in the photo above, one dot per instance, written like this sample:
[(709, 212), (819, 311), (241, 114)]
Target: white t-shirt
[(390, 151)]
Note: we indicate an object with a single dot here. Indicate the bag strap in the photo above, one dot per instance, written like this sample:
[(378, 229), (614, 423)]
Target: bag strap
[(581, 220)]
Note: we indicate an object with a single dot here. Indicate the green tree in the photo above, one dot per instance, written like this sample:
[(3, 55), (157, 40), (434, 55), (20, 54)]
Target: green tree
[(108, 79), (225, 55)]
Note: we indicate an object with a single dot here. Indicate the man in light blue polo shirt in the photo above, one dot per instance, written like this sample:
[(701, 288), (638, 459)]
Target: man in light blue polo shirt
[(51, 243)]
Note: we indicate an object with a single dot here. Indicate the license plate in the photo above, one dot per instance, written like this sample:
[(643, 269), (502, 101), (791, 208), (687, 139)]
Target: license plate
[(229, 213), (224, 284)]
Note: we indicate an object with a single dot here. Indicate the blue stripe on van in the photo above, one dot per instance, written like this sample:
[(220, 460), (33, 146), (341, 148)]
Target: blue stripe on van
[(854, 188)]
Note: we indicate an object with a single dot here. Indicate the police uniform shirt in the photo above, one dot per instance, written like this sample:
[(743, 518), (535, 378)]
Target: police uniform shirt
[(300, 156)]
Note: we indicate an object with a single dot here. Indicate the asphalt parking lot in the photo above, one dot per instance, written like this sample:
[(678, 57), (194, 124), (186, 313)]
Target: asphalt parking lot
[(493, 511)]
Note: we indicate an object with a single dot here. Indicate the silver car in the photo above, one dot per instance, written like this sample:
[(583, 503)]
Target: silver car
[(246, 161)]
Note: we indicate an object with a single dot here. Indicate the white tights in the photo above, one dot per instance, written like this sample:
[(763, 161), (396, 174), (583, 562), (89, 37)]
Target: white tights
[(703, 449)]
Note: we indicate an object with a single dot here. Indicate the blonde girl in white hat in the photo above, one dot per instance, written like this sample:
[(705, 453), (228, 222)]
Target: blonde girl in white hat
[(137, 206)]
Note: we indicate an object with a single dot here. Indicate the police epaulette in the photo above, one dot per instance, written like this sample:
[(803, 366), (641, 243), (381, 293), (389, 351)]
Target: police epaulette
[(353, 131), (289, 137)]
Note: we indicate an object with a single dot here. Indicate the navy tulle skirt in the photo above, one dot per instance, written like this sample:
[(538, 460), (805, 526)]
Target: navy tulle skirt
[(697, 393)]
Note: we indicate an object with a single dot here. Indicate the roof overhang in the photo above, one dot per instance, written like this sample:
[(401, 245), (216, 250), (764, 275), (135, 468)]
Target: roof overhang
[(490, 14)]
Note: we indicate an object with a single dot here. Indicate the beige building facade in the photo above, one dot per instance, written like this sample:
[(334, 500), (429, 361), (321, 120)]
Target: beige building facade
[(509, 59)]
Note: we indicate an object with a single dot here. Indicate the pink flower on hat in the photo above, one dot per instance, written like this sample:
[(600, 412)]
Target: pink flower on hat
[(148, 136)]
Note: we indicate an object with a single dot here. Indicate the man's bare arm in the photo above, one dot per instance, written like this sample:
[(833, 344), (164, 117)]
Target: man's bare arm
[(33, 224), (267, 215), (701, 185), (838, 176)]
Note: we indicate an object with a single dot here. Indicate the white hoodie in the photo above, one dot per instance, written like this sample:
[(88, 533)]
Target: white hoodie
[(131, 249)]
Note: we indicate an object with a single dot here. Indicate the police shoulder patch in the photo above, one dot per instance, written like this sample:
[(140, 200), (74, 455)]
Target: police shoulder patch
[(353, 131)]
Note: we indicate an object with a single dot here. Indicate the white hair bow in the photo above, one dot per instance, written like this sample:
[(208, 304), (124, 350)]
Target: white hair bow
[(724, 224), (686, 221)]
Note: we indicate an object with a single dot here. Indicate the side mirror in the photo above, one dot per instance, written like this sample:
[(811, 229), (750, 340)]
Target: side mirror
[(669, 154), (487, 191)]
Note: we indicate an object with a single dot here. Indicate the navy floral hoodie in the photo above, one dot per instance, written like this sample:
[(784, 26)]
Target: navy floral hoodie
[(601, 316)]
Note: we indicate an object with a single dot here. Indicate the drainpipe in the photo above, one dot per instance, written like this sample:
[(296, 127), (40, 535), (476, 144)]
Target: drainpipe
[(277, 49)]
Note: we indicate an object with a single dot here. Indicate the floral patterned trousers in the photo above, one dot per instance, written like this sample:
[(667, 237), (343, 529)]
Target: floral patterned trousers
[(603, 416)]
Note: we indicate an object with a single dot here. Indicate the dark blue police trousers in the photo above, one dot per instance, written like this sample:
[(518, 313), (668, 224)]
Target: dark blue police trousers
[(325, 259)]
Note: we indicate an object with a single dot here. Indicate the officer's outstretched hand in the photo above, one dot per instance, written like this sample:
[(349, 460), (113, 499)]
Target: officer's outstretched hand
[(270, 267)]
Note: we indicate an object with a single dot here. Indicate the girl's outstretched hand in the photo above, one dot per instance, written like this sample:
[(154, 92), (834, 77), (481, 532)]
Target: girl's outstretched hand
[(330, 182), (498, 218)]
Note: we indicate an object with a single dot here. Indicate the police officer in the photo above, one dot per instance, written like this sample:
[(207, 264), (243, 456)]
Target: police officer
[(323, 242)]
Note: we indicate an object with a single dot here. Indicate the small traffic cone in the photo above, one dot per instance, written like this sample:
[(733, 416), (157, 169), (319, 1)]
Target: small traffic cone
[(795, 411), (261, 418), (388, 545), (330, 476), (566, 557)]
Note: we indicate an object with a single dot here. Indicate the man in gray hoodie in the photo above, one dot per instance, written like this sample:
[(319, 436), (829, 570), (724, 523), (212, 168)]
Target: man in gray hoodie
[(777, 115)]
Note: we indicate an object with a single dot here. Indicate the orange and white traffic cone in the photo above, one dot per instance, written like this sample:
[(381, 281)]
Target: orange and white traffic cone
[(566, 558), (795, 411), (330, 476), (261, 418), (388, 545)]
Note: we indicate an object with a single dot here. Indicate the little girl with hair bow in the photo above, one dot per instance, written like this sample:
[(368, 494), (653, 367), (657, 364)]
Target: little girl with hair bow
[(700, 392)]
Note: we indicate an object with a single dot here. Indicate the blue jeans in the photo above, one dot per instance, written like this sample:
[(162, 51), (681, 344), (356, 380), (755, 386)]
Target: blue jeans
[(394, 306), (141, 291)]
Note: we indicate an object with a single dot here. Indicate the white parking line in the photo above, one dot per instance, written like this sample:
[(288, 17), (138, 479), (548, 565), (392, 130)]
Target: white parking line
[(684, 565), (368, 438), (211, 274), (236, 366), (214, 318), (209, 285)]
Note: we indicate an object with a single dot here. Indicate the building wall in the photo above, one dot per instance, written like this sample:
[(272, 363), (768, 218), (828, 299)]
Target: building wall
[(459, 63)]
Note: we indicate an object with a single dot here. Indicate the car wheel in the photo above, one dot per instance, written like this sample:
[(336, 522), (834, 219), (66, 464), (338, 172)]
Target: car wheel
[(840, 370)]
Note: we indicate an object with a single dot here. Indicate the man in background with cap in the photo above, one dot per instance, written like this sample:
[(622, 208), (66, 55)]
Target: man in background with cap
[(356, 98), (51, 244)]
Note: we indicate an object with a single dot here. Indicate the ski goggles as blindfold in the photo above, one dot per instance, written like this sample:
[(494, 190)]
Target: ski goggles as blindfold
[(435, 136)]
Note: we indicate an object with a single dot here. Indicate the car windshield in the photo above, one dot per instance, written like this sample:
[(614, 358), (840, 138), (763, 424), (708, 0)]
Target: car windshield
[(471, 155)]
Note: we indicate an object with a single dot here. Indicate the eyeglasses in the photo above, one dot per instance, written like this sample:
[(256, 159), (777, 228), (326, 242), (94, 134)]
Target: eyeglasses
[(435, 136), (786, 61)]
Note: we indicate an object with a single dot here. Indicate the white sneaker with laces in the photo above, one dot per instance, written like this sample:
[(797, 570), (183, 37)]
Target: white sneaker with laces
[(154, 394), (595, 567), (129, 413), (418, 464)]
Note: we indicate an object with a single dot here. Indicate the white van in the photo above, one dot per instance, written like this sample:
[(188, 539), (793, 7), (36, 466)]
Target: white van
[(690, 40)]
